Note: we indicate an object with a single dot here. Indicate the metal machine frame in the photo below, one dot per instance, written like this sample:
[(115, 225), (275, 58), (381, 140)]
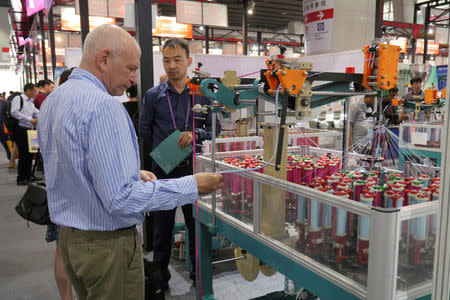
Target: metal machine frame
[(303, 270)]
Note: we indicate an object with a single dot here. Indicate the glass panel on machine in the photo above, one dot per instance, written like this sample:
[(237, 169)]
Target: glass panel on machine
[(416, 251), (332, 236)]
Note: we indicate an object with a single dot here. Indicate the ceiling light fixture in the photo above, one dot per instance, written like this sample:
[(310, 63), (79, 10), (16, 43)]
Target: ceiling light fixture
[(201, 27), (251, 8)]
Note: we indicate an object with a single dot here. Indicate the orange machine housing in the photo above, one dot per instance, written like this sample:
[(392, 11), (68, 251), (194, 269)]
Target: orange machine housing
[(384, 75)]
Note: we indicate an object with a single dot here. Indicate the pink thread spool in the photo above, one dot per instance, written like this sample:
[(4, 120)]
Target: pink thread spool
[(308, 174), (378, 191), (321, 171), (298, 173), (416, 185), (410, 196), (360, 185), (333, 168), (343, 186)]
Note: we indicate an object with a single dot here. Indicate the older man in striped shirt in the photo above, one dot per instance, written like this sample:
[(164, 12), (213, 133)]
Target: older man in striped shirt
[(91, 163)]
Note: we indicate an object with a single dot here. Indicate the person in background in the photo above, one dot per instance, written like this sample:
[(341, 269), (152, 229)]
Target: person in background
[(95, 189), (358, 121), (23, 109), (65, 75), (417, 94), (45, 88), (3, 135), (3, 96), (167, 108), (282, 52), (62, 280), (390, 112)]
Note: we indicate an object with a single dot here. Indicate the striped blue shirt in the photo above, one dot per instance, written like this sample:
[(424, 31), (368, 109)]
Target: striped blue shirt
[(91, 161)]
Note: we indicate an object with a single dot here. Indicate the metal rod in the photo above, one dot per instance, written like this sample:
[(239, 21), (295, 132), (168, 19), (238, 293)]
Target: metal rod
[(379, 6), (243, 86), (84, 19), (44, 55), (34, 63), (372, 77), (244, 27), (228, 260), (425, 38), (268, 163), (259, 39), (345, 134), (327, 93), (213, 158), (143, 13), (206, 39), (247, 101), (51, 33)]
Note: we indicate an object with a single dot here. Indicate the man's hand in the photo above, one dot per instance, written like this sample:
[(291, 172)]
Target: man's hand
[(147, 176), (208, 182), (33, 121), (185, 139)]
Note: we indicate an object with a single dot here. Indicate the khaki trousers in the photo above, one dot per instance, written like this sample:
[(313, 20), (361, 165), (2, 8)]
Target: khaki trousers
[(103, 264)]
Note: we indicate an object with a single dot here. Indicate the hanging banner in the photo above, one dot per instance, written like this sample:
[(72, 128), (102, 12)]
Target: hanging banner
[(433, 48), (168, 27), (318, 19), (35, 6), (71, 22)]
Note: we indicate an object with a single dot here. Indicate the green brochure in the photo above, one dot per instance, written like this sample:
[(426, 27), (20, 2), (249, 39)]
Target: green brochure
[(168, 155)]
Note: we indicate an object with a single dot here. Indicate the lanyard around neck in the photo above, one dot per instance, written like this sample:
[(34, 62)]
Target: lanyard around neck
[(173, 117)]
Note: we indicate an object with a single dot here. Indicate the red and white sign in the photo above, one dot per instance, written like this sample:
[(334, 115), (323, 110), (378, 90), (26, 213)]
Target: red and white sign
[(318, 19), (433, 48)]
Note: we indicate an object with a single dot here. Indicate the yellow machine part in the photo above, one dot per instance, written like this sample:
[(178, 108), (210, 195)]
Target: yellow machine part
[(444, 94), (248, 266), (388, 66), (266, 269)]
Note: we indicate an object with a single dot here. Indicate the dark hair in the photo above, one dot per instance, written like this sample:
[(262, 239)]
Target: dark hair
[(394, 89), (65, 76), (40, 83), (28, 86), (173, 43), (416, 79), (44, 82)]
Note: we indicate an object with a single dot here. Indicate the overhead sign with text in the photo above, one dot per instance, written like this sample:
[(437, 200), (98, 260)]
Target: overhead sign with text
[(318, 20)]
